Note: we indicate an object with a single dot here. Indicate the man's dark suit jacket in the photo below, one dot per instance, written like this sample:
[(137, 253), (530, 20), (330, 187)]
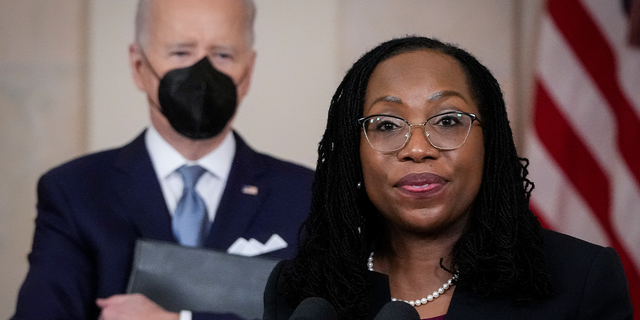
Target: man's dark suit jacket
[(91, 211), (589, 282)]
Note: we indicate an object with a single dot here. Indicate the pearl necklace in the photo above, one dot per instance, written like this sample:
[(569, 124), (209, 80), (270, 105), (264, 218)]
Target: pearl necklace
[(424, 300)]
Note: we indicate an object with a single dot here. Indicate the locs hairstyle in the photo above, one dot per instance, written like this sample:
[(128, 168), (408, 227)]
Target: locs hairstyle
[(499, 254)]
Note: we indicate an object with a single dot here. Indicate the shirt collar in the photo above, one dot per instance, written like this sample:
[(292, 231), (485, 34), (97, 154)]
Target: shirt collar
[(166, 159)]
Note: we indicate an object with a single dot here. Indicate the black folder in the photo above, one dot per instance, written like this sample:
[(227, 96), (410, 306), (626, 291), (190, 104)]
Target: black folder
[(198, 279)]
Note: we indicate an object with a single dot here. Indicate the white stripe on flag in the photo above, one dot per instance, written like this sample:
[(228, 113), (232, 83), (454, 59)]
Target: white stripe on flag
[(554, 198), (613, 23), (580, 101)]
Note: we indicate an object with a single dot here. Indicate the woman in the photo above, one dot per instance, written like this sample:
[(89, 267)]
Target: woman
[(420, 196)]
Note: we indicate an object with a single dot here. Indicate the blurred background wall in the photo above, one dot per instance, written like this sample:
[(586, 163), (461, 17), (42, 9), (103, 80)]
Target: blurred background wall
[(66, 90)]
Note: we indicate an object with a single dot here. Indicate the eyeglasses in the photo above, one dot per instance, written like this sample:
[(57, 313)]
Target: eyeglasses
[(445, 131)]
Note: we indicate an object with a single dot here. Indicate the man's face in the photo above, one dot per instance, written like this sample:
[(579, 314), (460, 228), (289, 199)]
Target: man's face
[(181, 32)]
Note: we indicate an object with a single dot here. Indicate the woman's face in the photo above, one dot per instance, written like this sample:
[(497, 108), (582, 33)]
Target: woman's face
[(418, 188)]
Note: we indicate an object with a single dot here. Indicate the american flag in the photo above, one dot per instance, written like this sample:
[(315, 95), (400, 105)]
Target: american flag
[(584, 143)]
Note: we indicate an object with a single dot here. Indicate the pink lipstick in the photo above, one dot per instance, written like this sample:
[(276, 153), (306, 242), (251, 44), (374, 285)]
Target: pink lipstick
[(421, 184)]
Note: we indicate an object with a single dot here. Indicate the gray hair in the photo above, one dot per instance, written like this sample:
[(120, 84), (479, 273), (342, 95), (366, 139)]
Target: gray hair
[(142, 21)]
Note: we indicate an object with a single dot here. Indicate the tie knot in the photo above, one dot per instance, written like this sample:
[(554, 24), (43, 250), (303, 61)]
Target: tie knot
[(190, 175)]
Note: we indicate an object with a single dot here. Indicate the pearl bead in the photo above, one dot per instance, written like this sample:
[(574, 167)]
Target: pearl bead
[(423, 301)]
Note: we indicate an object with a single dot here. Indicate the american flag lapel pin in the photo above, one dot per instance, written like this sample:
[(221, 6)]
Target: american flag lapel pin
[(250, 190)]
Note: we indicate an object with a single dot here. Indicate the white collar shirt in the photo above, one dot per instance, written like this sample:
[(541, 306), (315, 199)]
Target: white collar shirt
[(166, 160)]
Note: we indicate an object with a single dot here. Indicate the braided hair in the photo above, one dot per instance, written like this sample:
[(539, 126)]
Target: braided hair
[(499, 254)]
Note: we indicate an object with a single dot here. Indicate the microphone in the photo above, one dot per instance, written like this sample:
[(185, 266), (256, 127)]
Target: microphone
[(314, 308), (397, 310)]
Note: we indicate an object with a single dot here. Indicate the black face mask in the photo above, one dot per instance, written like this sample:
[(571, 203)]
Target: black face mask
[(198, 100)]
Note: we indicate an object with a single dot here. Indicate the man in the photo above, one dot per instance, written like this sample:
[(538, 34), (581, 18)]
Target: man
[(194, 60)]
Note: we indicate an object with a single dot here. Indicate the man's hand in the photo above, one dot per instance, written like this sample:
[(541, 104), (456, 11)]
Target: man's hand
[(132, 307)]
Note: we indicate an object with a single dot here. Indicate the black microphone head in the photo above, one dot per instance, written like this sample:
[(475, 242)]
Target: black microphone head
[(397, 310), (314, 308)]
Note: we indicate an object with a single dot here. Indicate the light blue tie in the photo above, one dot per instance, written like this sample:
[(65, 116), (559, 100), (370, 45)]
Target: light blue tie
[(190, 220)]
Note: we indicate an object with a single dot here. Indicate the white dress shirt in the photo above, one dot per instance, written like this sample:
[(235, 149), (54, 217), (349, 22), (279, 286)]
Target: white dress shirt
[(166, 160)]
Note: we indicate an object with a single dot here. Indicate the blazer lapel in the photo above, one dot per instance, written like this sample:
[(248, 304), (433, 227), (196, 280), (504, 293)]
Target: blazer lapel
[(466, 305), (140, 191), (380, 293), (240, 200)]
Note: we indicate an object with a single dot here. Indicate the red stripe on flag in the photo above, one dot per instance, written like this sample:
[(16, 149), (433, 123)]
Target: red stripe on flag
[(593, 50), (541, 218), (574, 159)]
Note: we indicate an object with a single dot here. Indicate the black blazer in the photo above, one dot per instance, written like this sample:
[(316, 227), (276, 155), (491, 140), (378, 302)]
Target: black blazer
[(91, 211), (589, 281)]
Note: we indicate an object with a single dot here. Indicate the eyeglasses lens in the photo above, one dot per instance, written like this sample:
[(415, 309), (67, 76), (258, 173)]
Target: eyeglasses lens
[(445, 131)]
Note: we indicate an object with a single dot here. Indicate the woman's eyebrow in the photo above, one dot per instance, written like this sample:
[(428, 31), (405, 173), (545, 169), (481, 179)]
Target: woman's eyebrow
[(446, 93), (393, 99)]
